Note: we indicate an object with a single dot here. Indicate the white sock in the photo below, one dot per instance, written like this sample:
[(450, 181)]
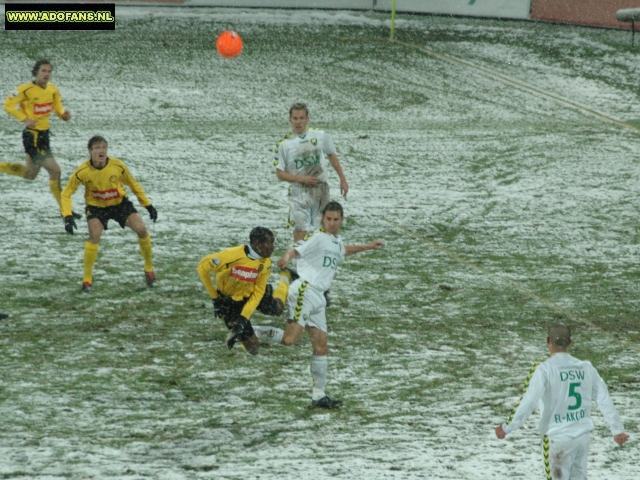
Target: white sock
[(269, 334), (319, 373)]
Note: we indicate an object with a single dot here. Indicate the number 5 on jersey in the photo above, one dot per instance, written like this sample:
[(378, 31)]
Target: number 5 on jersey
[(576, 395)]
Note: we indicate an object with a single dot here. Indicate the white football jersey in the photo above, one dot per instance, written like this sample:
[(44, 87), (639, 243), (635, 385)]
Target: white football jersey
[(320, 253), (564, 388), (305, 154)]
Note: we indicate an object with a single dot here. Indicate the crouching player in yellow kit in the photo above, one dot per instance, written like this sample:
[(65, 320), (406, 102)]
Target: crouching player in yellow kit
[(106, 199), (241, 288)]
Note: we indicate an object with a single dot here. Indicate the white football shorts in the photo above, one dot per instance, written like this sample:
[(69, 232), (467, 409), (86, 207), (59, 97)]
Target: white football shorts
[(568, 457), (307, 305), (306, 205)]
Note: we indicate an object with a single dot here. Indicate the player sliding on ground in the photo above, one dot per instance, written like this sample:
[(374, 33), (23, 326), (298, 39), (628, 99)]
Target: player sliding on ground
[(318, 254), (241, 275), (564, 388), (104, 178)]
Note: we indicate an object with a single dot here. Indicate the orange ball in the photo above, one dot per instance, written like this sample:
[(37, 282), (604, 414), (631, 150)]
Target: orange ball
[(229, 44)]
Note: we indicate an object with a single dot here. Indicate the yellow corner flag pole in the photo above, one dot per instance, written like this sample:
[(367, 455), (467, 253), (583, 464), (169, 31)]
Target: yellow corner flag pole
[(393, 19)]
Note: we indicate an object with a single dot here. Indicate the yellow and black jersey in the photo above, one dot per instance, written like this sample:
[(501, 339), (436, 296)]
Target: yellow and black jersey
[(237, 276), (32, 101), (102, 187)]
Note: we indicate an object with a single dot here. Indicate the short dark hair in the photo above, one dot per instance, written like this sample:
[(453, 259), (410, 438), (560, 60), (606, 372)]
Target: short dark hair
[(333, 207), (299, 106), (559, 335), (260, 234), (39, 63), (95, 139)]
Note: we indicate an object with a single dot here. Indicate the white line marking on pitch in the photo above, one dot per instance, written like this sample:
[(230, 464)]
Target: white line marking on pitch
[(520, 85)]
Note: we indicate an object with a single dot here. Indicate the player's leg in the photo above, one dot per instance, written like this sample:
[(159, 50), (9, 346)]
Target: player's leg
[(269, 334), (318, 363), (135, 223), (557, 456), (96, 227), (318, 199), (44, 157), (303, 302), (52, 167), (288, 337), (300, 213), (579, 453), (32, 168), (317, 330), (291, 333), (273, 301), (243, 332), (240, 328), (300, 306), (14, 168), (33, 158)]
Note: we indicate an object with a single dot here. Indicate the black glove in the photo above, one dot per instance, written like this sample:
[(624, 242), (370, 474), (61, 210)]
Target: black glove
[(153, 213), (242, 329), (220, 306), (70, 224)]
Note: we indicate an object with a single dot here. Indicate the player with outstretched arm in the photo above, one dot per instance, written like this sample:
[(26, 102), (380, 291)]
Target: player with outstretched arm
[(319, 255)]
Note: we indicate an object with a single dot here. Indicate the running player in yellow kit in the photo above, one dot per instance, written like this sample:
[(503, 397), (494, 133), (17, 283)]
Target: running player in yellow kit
[(32, 104)]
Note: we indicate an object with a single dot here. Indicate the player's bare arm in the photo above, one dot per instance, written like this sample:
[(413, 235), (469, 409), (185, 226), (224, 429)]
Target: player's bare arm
[(351, 249), (307, 180), (287, 257), (335, 163)]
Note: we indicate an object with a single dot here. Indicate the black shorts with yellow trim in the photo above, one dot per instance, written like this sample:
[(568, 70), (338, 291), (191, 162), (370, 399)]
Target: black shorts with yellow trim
[(119, 212), (36, 144)]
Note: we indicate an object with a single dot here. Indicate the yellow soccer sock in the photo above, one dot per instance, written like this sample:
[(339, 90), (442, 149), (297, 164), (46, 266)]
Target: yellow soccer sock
[(17, 169), (54, 185), (145, 250), (281, 291), (90, 257)]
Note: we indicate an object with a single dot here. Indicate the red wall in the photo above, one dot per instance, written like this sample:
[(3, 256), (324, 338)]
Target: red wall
[(584, 12)]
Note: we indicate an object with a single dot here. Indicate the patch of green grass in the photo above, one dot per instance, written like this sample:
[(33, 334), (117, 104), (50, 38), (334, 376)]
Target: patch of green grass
[(461, 178)]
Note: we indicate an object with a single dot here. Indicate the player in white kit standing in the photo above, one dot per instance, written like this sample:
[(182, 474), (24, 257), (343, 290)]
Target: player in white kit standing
[(302, 158), (564, 388), (318, 254)]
